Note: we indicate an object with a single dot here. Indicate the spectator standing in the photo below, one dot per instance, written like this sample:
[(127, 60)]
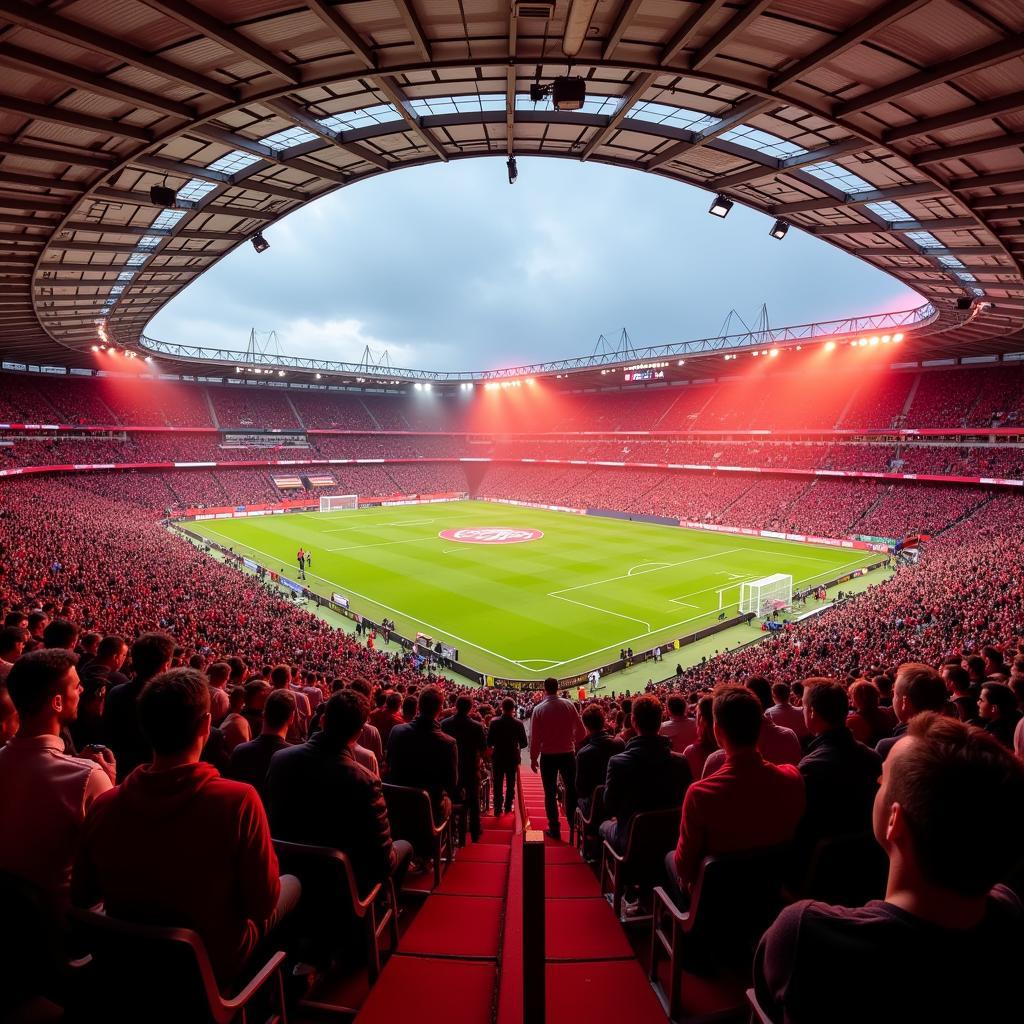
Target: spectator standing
[(506, 737), (471, 741), (555, 731)]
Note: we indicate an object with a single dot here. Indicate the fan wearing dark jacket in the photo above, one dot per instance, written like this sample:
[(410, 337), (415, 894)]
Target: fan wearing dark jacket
[(647, 776), (318, 793)]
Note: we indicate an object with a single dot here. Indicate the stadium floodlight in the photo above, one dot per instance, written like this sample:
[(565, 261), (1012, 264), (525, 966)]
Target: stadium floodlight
[(428, 386), (513, 169), (774, 352), (280, 373), (259, 243), (318, 376), (897, 338), (161, 195), (95, 348), (779, 229), (720, 207), (830, 346), (568, 93)]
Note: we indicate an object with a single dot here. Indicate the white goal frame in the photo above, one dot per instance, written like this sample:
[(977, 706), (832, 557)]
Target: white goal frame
[(338, 502), (766, 595)]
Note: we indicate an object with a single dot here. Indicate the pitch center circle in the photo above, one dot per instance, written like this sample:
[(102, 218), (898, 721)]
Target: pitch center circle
[(490, 535)]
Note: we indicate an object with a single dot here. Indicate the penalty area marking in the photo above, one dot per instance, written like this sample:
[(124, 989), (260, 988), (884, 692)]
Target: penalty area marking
[(654, 566)]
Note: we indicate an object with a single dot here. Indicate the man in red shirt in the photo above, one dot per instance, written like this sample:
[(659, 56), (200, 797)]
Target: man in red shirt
[(747, 804), (175, 844)]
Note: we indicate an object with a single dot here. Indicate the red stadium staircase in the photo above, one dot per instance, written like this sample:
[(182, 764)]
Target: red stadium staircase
[(471, 955)]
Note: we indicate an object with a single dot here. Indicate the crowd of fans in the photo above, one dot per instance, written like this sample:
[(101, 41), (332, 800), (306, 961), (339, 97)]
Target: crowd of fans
[(148, 694), (938, 397)]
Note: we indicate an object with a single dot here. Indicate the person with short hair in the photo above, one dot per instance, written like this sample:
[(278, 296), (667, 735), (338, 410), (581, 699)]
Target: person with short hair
[(421, 754), (45, 794), (12, 646), (60, 634), (151, 654), (950, 816), (917, 688), (281, 679), (647, 776), (556, 729), (777, 743), (319, 794), (698, 752), (218, 674), (679, 728), (178, 844), (250, 761), (9, 720), (840, 773), (958, 683), (471, 741), (783, 713), (593, 756), (748, 804), (506, 738), (997, 712)]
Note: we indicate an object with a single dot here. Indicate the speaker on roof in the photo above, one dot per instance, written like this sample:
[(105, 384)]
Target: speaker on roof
[(161, 195)]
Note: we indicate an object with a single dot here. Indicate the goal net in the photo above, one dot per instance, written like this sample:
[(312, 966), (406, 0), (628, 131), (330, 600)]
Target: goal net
[(336, 502), (767, 595)]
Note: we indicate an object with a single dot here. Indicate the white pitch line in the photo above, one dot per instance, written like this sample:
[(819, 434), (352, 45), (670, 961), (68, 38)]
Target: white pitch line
[(603, 611), (441, 630), (664, 565), (382, 544), (673, 625), (404, 522), (659, 565)]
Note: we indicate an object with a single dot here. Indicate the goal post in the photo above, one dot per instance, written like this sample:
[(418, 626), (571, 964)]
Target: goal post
[(766, 595), (337, 502)]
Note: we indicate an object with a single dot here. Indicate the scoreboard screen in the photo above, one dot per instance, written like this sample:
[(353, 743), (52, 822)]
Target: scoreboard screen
[(640, 376)]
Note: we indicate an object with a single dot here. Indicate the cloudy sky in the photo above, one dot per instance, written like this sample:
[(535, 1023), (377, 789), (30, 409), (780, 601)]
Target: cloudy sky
[(450, 267)]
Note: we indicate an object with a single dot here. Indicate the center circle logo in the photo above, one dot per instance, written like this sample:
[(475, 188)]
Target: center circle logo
[(491, 535)]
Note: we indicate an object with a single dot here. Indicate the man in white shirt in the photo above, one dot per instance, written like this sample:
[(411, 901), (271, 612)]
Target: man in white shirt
[(781, 712), (555, 730), (679, 728), (44, 793)]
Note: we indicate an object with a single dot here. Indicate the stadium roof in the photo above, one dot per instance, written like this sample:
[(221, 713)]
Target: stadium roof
[(893, 129)]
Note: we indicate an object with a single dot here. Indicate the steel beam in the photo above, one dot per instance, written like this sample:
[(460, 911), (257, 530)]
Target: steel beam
[(340, 26), (212, 28), (73, 119), (296, 113), (42, 20), (945, 71), (391, 89), (626, 104), (739, 21), (1010, 103), (886, 14)]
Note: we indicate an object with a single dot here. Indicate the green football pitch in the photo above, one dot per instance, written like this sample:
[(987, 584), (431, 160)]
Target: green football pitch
[(558, 604)]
